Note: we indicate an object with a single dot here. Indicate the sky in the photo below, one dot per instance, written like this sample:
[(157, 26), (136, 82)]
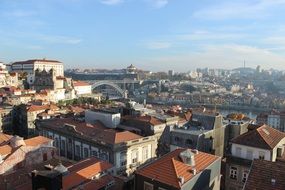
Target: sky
[(155, 35)]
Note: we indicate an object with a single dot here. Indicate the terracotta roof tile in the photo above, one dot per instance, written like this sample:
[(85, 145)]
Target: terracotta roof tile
[(4, 138), (96, 131), (145, 119), (80, 83), (33, 108), (170, 167), (99, 183), (39, 140), (5, 150), (264, 137), (84, 171), (261, 174)]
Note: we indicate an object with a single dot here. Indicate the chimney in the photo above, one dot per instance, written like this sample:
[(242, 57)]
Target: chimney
[(187, 157), (193, 171), (181, 180)]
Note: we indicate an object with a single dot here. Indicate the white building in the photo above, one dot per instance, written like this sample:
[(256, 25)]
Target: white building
[(264, 143), (109, 119), (82, 88), (6, 78), (30, 66)]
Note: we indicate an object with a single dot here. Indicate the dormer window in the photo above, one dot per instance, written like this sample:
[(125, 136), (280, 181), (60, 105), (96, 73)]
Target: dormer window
[(261, 155)]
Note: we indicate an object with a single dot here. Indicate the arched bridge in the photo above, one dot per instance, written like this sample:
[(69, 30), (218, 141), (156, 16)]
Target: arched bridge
[(109, 83)]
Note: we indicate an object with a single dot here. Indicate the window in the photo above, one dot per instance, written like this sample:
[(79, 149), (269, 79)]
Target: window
[(55, 142), (238, 151), (244, 176), (249, 154), (233, 173), (145, 153), (86, 152), (94, 153), (147, 186), (62, 145), (176, 139), (135, 156), (123, 158), (189, 142), (45, 157), (104, 156), (279, 152), (77, 150), (261, 155)]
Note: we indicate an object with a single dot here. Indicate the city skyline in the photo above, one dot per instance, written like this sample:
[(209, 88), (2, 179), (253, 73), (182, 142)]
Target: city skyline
[(117, 33)]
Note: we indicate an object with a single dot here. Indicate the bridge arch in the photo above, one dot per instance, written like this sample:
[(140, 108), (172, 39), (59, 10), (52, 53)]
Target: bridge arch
[(109, 83)]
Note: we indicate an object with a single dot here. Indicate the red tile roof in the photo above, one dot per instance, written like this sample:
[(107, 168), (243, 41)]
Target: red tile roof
[(99, 183), (80, 83), (146, 119), (264, 137), (4, 138), (39, 140), (33, 108), (84, 171), (35, 141), (170, 167), (262, 173), (5, 150), (96, 131)]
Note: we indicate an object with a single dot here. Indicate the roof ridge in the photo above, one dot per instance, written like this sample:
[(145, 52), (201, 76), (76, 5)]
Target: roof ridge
[(176, 173)]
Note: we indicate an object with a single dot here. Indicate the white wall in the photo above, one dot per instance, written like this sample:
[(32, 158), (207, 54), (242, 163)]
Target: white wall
[(83, 89), (255, 152), (110, 120)]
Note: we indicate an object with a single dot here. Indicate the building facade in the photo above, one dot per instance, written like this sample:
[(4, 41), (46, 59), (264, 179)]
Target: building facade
[(264, 143), (30, 66), (77, 140), (205, 132)]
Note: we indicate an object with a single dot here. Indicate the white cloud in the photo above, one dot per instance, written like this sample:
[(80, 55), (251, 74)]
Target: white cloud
[(158, 3), (59, 39), (19, 13), (34, 47), (111, 2), (223, 56), (241, 9), (208, 35), (158, 45)]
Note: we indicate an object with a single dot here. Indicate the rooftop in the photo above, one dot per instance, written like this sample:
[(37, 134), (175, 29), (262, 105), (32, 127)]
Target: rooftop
[(33, 61), (264, 137), (83, 171), (170, 167), (33, 108), (266, 175), (80, 83), (95, 131), (8, 147), (145, 119)]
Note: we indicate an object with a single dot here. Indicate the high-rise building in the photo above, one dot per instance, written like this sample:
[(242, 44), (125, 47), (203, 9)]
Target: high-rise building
[(171, 72)]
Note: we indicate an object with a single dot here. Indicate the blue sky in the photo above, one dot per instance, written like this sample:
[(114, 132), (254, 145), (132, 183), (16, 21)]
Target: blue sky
[(152, 34)]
